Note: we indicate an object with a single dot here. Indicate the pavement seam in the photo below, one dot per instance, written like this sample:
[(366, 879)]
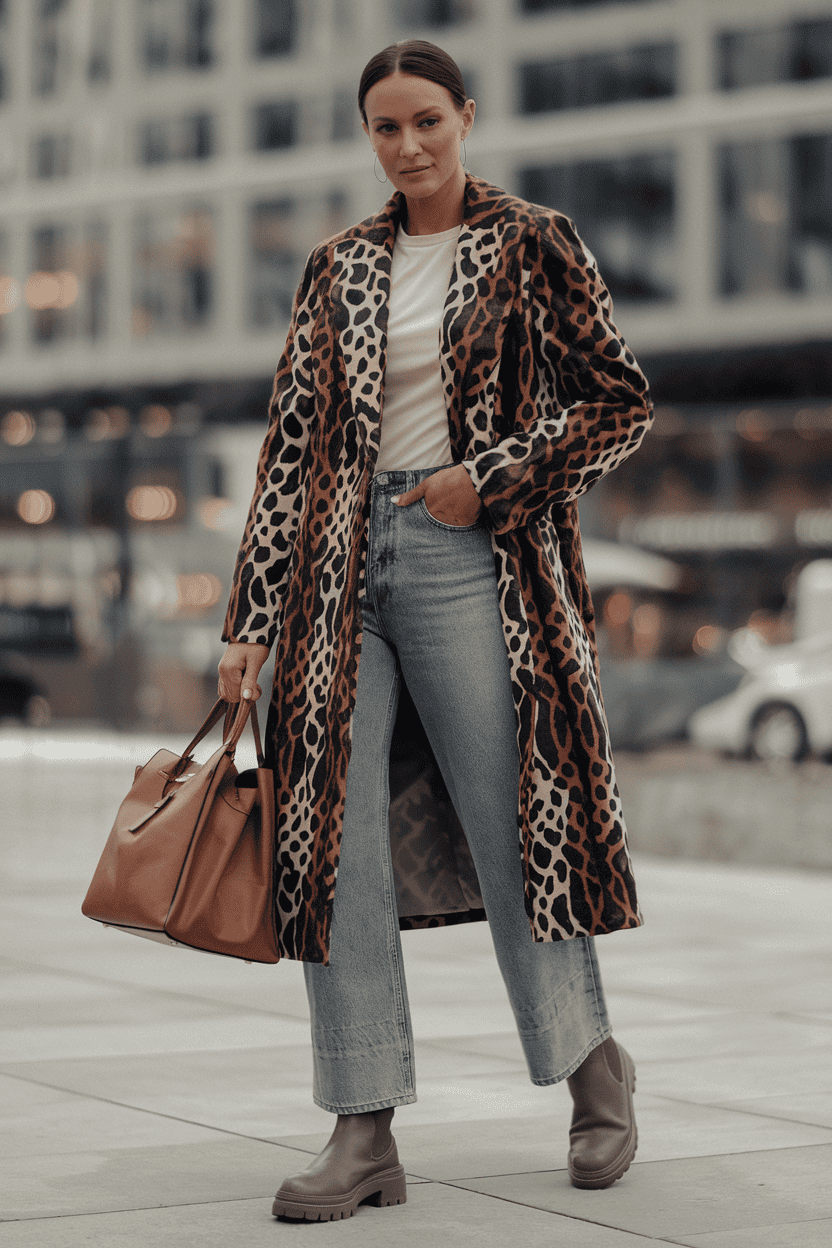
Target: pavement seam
[(156, 1113), (142, 990), (555, 1213)]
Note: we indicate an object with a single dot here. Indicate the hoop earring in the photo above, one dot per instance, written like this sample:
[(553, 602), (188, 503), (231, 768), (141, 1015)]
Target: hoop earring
[(464, 154), (375, 175)]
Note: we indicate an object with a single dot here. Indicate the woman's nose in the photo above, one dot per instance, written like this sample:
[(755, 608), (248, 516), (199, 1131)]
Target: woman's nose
[(410, 143)]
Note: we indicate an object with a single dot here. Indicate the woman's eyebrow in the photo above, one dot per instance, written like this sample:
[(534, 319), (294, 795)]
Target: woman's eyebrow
[(420, 113)]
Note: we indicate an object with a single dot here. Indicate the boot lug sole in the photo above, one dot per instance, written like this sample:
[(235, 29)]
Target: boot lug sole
[(382, 1190), (605, 1178)]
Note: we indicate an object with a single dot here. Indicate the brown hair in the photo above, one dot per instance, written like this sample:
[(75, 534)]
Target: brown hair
[(417, 57)]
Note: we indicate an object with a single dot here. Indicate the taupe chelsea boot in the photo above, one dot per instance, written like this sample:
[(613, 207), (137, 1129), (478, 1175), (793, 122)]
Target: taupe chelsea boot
[(359, 1164), (603, 1136)]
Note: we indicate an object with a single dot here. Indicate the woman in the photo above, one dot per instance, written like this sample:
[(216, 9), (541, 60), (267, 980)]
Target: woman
[(436, 726)]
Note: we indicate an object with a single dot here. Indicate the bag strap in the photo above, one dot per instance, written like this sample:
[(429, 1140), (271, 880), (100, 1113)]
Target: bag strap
[(255, 728), (235, 715)]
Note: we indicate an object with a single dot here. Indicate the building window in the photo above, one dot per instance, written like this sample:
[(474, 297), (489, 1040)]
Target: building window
[(274, 261), (624, 208), (180, 138), (100, 50), (275, 27), (344, 115), (791, 52), (173, 271), (417, 13), (51, 288), (53, 46), (176, 34), (94, 267), (776, 216), (67, 287), (282, 232), (51, 156), (644, 72), (275, 126)]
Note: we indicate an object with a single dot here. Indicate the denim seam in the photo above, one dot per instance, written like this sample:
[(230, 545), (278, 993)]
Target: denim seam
[(535, 1031), (600, 1037), (396, 968), (367, 1107), (447, 528)]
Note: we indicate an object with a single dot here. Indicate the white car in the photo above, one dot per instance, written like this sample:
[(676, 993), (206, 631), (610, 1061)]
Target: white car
[(782, 707)]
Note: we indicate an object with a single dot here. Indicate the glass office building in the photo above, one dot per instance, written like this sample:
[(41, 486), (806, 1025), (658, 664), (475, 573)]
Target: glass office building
[(166, 165)]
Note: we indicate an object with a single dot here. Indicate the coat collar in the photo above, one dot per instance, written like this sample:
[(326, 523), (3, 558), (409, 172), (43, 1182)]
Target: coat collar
[(481, 204)]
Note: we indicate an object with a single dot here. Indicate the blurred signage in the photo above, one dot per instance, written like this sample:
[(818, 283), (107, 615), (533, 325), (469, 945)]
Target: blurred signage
[(38, 630), (710, 530)]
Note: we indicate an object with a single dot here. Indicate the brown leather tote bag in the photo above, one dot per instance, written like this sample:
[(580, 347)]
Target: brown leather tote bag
[(190, 858)]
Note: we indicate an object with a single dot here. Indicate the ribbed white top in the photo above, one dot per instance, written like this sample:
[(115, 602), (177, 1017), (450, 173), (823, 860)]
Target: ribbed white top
[(414, 423)]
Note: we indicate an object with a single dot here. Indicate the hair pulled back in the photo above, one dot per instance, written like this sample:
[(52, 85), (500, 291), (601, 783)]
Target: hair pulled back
[(417, 57)]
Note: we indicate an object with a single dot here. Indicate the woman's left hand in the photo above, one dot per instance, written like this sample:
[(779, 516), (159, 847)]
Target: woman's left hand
[(449, 496)]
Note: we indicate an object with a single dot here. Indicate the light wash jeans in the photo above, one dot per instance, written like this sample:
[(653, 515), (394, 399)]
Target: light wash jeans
[(432, 618)]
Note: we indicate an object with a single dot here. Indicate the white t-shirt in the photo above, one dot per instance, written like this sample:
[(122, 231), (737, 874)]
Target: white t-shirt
[(414, 423)]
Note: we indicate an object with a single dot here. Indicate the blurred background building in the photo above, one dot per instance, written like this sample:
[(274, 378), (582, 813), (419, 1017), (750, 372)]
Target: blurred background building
[(165, 168)]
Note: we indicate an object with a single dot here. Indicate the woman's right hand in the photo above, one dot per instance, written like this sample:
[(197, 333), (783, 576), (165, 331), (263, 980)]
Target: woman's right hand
[(239, 668)]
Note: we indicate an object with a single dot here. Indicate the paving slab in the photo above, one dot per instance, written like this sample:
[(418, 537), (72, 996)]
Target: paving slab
[(435, 1215), (811, 1107), (672, 1199), (253, 1092), (108, 1178), (37, 1120), (815, 1234), (723, 1080)]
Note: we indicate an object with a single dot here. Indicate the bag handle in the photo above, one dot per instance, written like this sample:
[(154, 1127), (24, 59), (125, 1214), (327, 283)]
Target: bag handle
[(236, 715)]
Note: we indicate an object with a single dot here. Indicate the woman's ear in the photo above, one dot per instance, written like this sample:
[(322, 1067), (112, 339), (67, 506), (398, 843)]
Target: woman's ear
[(468, 114)]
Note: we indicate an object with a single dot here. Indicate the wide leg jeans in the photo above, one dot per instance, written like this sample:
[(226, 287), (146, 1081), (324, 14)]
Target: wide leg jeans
[(432, 619)]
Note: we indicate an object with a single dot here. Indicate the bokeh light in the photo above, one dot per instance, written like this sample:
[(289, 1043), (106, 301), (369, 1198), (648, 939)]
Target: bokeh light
[(152, 502), (215, 513), (618, 609), (155, 421), (17, 428), (35, 506), (708, 639), (102, 423), (198, 590), (51, 290), (10, 294)]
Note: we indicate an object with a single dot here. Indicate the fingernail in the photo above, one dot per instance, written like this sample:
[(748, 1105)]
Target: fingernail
[(246, 693), (396, 498)]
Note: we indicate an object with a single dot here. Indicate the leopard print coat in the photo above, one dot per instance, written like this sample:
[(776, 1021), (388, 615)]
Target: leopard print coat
[(543, 399)]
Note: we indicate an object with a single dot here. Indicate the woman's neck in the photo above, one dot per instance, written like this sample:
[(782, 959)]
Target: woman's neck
[(439, 212)]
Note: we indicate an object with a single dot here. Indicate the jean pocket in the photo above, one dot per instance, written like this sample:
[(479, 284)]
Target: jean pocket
[(450, 528)]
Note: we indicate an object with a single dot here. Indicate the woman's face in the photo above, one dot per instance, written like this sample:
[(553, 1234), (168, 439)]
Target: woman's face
[(416, 129)]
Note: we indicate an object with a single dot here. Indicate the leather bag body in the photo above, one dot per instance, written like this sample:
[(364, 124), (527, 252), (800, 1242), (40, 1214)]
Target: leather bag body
[(190, 858)]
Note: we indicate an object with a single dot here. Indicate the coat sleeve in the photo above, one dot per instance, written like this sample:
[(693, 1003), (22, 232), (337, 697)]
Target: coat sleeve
[(581, 404), (264, 559)]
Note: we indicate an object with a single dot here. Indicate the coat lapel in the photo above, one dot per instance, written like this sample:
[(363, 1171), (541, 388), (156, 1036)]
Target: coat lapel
[(360, 297)]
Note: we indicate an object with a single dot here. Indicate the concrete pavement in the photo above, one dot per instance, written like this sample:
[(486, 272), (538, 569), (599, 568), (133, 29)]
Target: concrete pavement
[(151, 1096)]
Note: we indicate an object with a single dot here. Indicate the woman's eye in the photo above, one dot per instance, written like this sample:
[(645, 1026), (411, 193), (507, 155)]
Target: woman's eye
[(430, 121)]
